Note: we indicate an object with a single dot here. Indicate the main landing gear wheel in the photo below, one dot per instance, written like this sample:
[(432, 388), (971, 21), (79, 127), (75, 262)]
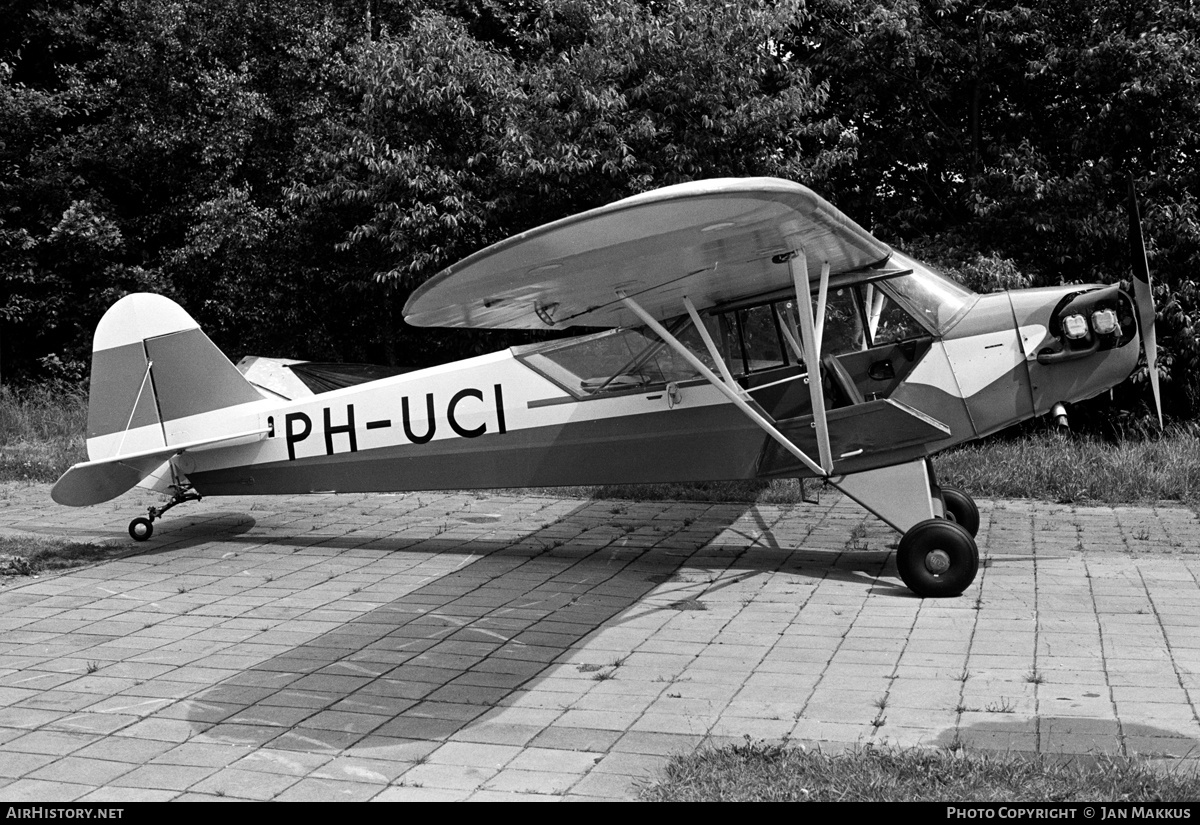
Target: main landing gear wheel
[(937, 558), (961, 509), (141, 529)]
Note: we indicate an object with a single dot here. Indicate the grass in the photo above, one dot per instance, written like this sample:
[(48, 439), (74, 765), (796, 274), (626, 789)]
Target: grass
[(41, 431), (27, 556), (757, 772), (1068, 467)]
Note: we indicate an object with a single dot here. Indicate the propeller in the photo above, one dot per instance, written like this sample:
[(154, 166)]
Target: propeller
[(1143, 296)]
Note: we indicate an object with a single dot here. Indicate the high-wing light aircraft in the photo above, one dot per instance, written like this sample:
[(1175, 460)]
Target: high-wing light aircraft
[(710, 363)]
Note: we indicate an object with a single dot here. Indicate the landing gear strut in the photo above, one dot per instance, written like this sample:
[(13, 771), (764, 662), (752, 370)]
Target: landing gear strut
[(937, 555), (141, 529)]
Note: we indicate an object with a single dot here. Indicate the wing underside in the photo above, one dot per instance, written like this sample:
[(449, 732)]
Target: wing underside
[(712, 241)]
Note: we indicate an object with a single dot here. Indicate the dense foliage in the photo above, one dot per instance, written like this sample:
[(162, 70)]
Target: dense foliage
[(289, 172)]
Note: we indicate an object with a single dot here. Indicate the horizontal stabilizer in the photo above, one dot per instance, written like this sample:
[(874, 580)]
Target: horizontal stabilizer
[(93, 482)]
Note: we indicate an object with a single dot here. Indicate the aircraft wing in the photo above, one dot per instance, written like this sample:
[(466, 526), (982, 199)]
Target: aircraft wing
[(713, 241)]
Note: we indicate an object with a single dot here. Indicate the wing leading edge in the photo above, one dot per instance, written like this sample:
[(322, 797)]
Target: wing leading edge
[(713, 241)]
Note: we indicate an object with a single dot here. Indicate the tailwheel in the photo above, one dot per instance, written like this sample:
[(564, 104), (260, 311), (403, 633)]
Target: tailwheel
[(961, 509), (141, 529), (937, 558)]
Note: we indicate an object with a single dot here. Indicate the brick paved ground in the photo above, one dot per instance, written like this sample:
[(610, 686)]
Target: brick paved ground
[(485, 646)]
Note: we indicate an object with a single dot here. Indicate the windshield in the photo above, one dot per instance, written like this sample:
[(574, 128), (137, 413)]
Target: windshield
[(931, 296)]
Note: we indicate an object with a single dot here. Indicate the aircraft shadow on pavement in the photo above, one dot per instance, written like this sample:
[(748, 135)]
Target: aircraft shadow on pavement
[(430, 661), (1072, 737)]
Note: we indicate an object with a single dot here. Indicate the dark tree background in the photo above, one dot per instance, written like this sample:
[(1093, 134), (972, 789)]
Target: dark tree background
[(289, 172)]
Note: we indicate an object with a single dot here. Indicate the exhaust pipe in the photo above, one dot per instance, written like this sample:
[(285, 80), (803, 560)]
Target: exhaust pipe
[(1059, 413)]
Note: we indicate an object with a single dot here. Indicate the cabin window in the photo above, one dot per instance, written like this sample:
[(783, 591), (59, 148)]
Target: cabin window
[(887, 321), (767, 336), (755, 340), (844, 330), (760, 338), (618, 360)]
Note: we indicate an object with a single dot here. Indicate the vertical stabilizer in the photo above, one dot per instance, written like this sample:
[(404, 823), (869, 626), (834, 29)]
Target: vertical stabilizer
[(152, 365)]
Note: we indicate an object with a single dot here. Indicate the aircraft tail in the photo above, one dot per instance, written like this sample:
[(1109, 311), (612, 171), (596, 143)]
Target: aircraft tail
[(152, 366)]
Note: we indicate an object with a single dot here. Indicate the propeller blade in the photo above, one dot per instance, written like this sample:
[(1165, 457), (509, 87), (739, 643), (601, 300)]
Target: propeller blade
[(1143, 296)]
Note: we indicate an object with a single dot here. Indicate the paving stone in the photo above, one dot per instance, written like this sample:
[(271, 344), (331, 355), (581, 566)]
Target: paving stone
[(452, 646)]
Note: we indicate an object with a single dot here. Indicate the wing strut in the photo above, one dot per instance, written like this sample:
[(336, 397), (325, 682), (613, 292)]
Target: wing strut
[(798, 264), (708, 342), (790, 334), (729, 392), (822, 298)]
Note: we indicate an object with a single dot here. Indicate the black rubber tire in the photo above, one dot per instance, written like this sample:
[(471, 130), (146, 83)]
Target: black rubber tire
[(961, 509), (929, 542), (141, 529)]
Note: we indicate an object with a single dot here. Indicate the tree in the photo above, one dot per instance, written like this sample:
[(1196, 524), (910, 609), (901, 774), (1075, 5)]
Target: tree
[(456, 142), (146, 145), (1008, 131), (291, 172)]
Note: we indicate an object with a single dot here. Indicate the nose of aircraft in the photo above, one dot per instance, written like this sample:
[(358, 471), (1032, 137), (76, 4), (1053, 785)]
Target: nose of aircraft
[(1078, 341)]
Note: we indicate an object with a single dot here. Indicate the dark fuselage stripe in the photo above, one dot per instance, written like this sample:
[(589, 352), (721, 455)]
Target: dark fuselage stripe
[(700, 444)]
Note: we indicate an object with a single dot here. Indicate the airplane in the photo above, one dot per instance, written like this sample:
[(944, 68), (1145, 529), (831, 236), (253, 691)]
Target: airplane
[(701, 357)]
